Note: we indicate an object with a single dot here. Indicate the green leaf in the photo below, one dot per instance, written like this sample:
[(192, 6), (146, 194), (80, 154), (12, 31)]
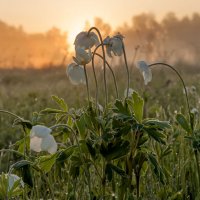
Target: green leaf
[(45, 163), (136, 105), (51, 111), (91, 149), (156, 135), (118, 170), (154, 123), (21, 164), (183, 122), (81, 126), (156, 168), (166, 152), (120, 108), (61, 103), (65, 154), (116, 150)]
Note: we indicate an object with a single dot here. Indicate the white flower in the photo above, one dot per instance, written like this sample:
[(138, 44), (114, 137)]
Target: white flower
[(85, 40), (76, 74), (145, 70), (114, 44), (83, 57), (12, 178), (42, 140), (130, 92), (194, 111), (190, 90)]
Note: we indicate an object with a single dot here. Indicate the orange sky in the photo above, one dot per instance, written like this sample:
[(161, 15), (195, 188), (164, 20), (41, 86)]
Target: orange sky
[(70, 16)]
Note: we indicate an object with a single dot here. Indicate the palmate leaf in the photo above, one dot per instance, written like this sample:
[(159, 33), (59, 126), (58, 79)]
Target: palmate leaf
[(136, 105), (116, 150), (45, 163), (121, 108), (60, 102), (156, 135)]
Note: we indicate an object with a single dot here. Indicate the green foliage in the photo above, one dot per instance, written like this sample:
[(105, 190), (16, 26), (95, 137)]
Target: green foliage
[(183, 122)]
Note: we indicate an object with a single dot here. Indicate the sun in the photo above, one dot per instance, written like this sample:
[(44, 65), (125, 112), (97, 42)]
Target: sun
[(72, 33)]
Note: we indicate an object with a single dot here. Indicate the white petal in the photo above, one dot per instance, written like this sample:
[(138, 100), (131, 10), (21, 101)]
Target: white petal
[(35, 144), (106, 41), (40, 131), (86, 41), (147, 76), (145, 70), (12, 179), (94, 38), (82, 56), (117, 47), (108, 50), (142, 65), (76, 74), (49, 144)]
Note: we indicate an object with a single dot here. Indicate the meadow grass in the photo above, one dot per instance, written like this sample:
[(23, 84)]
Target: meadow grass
[(29, 91)]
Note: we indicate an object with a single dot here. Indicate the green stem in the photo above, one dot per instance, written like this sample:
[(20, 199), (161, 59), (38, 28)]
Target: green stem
[(104, 62), (113, 75), (81, 156), (10, 113), (181, 79), (197, 163), (127, 69), (87, 84)]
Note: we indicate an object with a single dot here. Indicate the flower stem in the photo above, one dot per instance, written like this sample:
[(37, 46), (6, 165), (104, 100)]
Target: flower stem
[(87, 85), (104, 62), (127, 69), (183, 83), (10, 113), (113, 75), (79, 148)]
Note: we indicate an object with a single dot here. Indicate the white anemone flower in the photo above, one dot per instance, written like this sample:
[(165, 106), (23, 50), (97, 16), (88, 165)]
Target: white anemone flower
[(145, 70), (85, 40), (114, 44), (42, 140), (12, 178), (83, 57), (76, 74)]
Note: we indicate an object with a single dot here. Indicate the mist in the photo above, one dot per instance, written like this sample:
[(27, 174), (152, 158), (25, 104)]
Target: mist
[(171, 40)]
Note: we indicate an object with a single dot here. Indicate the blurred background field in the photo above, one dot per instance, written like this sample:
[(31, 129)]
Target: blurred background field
[(25, 91)]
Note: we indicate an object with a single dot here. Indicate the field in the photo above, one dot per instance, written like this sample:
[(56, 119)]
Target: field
[(102, 156)]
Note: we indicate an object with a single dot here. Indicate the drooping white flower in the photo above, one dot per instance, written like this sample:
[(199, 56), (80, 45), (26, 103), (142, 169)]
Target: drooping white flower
[(76, 74), (85, 40), (12, 178), (83, 57), (114, 44), (42, 140), (145, 70)]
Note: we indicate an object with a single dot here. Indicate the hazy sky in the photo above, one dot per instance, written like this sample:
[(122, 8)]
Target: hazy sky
[(71, 15)]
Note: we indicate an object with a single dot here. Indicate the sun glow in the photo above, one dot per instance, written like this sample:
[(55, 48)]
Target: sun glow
[(72, 33)]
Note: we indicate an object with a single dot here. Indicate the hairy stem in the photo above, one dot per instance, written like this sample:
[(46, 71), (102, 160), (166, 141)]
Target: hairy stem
[(104, 62), (183, 83), (87, 84), (127, 69)]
